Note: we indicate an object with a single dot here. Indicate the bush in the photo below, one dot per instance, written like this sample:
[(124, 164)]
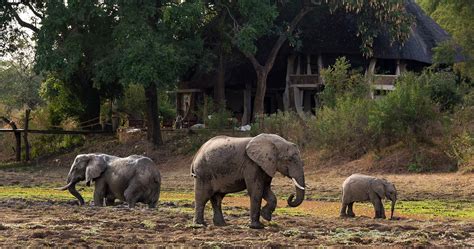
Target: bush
[(219, 120), (343, 129), (285, 124), (340, 81), (133, 102), (214, 116), (404, 113), (443, 89)]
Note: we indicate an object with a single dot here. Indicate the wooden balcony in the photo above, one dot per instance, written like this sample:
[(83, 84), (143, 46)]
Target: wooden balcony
[(384, 82), (305, 80)]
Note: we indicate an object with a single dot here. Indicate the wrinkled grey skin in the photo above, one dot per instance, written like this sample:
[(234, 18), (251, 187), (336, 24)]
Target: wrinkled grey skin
[(359, 187), (230, 164), (131, 179)]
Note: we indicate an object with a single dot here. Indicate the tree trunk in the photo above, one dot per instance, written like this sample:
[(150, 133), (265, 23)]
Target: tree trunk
[(153, 120), (219, 87), (25, 135), (258, 105), (17, 137)]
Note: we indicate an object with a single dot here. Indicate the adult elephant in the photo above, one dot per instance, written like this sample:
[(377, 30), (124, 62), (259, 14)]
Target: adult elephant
[(229, 164), (132, 179)]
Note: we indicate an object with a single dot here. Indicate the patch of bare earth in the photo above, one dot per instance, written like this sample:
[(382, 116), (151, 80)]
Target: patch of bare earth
[(35, 223), (45, 224)]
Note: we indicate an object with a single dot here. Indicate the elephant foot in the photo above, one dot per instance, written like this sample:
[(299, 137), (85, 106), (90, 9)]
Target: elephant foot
[(347, 215), (256, 225), (200, 223), (219, 223), (266, 214), (351, 215)]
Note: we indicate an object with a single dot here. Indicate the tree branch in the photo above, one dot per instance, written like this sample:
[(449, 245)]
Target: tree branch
[(20, 21), (256, 65), (39, 15), (284, 36)]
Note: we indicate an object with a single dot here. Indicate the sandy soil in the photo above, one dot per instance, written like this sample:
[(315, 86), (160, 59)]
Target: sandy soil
[(26, 223), (61, 223)]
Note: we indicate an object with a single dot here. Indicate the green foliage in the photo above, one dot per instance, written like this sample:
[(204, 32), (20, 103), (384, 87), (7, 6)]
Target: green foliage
[(220, 119), (343, 129), (404, 113), (285, 124), (257, 18), (61, 102), (443, 89), (19, 85), (456, 17), (339, 81), (43, 145), (133, 103)]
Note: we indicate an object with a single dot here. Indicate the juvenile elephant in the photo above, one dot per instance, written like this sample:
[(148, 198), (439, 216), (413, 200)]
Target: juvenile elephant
[(359, 187), (131, 179), (230, 164)]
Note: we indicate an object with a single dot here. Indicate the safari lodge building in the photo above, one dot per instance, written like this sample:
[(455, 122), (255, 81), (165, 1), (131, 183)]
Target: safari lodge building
[(295, 82)]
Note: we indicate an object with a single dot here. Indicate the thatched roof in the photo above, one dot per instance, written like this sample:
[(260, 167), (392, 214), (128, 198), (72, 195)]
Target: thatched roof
[(336, 34)]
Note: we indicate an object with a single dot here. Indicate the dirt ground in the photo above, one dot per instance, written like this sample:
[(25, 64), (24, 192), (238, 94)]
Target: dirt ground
[(29, 221)]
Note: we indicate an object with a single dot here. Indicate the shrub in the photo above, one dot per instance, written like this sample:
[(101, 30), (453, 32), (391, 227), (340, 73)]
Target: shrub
[(133, 102), (219, 120), (404, 113), (443, 89), (340, 81), (214, 116), (285, 124), (343, 129)]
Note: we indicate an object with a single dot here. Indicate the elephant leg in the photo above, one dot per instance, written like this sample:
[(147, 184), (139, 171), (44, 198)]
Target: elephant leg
[(382, 211), (131, 196), (378, 206), (255, 189), (216, 201), (152, 204), (99, 192), (201, 197), (271, 200), (110, 200), (350, 211), (343, 212)]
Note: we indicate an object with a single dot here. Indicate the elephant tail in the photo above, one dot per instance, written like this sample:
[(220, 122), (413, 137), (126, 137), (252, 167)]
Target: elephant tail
[(192, 171)]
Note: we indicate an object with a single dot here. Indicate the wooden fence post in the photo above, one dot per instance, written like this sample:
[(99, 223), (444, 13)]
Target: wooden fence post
[(25, 135), (17, 137)]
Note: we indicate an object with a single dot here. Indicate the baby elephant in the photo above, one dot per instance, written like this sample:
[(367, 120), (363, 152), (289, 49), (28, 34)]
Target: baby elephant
[(132, 179), (359, 187)]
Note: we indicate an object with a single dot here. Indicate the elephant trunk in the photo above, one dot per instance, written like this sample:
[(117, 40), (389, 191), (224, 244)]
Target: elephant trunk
[(71, 187), (393, 208), (73, 191), (299, 187)]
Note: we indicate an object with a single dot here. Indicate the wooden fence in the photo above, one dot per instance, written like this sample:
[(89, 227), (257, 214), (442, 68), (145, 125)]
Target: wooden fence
[(18, 132)]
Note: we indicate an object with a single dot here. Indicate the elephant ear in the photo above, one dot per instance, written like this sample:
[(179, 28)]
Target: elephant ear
[(95, 167), (378, 186), (263, 152)]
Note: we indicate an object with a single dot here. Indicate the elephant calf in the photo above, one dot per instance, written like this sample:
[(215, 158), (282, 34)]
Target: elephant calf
[(132, 179), (359, 187)]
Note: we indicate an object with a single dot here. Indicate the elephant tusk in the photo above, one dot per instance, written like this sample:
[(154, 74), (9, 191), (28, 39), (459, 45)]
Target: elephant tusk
[(296, 184), (65, 187)]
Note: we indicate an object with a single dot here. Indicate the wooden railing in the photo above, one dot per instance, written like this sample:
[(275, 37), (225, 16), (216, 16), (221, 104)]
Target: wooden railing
[(305, 80), (383, 79)]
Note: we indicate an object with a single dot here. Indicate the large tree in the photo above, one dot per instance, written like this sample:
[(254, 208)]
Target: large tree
[(457, 18), (277, 20), (73, 39), (154, 43)]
